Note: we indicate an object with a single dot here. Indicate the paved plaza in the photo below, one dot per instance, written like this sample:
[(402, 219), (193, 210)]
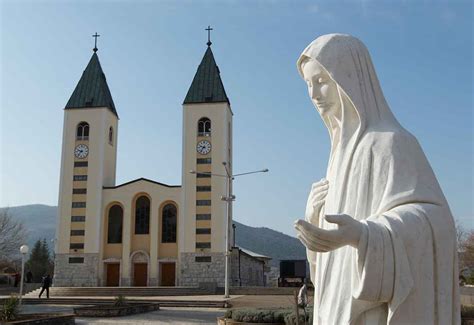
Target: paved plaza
[(174, 315), (166, 315)]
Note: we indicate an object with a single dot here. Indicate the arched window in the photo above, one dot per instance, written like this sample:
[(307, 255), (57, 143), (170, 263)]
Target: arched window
[(114, 232), (168, 228), (204, 127), (142, 215), (82, 131), (111, 135)]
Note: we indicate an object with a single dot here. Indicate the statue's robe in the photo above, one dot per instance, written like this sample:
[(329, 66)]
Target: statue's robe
[(405, 269)]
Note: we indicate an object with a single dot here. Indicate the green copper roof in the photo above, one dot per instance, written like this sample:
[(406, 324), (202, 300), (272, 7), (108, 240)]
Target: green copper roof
[(92, 89), (207, 85)]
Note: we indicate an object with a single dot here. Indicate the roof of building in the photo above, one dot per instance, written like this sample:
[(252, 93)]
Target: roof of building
[(92, 89), (253, 254), (137, 180), (207, 85)]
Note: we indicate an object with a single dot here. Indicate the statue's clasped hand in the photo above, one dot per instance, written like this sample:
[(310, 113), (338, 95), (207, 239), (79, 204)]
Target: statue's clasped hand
[(348, 232)]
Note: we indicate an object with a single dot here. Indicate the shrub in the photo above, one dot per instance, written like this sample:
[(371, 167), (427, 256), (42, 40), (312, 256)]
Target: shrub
[(262, 315), (9, 310), (120, 300), (257, 315), (467, 311), (470, 280), (290, 319)]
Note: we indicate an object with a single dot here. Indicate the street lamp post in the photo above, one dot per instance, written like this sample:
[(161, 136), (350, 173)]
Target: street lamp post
[(228, 198), (23, 250)]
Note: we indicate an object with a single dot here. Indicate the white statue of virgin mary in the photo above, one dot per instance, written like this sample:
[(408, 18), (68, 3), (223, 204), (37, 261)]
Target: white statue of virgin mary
[(379, 234)]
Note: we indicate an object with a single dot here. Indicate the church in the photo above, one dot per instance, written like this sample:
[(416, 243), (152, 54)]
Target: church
[(143, 232)]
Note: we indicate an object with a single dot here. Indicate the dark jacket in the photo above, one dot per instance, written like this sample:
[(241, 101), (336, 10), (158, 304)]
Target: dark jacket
[(46, 281)]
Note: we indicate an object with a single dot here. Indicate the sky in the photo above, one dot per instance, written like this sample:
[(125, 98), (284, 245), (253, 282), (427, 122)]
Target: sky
[(150, 50)]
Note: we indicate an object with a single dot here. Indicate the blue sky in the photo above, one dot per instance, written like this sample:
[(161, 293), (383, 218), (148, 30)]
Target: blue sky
[(150, 50)]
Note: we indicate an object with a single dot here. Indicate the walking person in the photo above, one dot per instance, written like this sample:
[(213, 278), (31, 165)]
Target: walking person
[(45, 284)]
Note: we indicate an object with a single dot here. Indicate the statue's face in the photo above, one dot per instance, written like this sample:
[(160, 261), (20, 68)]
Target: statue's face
[(322, 89)]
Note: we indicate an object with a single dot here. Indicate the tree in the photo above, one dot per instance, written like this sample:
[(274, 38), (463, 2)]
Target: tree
[(12, 236), (40, 262), (467, 251), (460, 234)]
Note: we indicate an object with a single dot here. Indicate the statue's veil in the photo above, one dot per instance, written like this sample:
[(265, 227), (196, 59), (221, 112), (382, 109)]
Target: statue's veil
[(348, 62)]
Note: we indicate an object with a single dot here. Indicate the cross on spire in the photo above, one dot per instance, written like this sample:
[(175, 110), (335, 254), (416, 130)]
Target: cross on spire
[(95, 49), (209, 35)]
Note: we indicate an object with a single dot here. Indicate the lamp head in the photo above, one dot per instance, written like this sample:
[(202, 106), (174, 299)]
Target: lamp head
[(24, 249)]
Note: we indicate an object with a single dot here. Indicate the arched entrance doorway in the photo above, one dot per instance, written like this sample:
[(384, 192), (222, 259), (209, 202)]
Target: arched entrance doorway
[(140, 262)]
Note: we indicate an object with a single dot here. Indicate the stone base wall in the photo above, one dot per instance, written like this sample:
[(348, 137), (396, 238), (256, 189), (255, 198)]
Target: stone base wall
[(193, 273), (76, 274)]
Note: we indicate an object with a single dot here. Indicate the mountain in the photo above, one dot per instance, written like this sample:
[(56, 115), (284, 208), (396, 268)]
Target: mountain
[(40, 220), (269, 242)]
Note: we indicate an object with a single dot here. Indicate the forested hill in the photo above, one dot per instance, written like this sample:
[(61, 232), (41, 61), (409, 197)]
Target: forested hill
[(266, 241)]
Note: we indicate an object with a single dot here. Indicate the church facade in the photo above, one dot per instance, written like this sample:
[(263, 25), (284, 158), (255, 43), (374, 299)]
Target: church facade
[(143, 232)]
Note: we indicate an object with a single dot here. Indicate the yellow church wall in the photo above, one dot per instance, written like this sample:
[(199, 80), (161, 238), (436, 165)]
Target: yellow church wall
[(203, 223), (79, 198), (203, 210), (101, 166), (203, 182), (220, 116), (77, 239), (203, 167), (140, 242), (78, 212), (112, 251), (203, 238), (77, 142), (80, 170), (203, 196), (167, 250), (77, 225), (158, 195), (98, 119), (110, 151), (79, 184)]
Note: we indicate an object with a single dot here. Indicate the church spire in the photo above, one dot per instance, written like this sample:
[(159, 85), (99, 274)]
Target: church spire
[(92, 89), (207, 86)]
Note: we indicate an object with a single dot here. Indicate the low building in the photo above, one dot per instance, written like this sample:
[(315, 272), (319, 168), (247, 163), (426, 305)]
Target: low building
[(249, 268)]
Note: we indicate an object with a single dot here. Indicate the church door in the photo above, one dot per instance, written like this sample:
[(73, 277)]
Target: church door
[(113, 274), (168, 274), (140, 274)]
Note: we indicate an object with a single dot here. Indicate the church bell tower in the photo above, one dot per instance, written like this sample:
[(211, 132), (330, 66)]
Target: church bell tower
[(207, 143), (88, 163)]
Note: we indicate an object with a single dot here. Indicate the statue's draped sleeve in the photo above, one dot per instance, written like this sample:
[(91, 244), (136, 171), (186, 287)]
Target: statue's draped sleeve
[(399, 257)]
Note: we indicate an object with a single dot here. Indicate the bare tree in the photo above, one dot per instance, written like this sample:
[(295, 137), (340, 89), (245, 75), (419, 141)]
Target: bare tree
[(12, 236), (467, 251), (460, 235)]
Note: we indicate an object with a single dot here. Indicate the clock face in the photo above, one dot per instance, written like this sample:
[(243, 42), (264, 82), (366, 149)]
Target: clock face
[(203, 147), (81, 151)]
